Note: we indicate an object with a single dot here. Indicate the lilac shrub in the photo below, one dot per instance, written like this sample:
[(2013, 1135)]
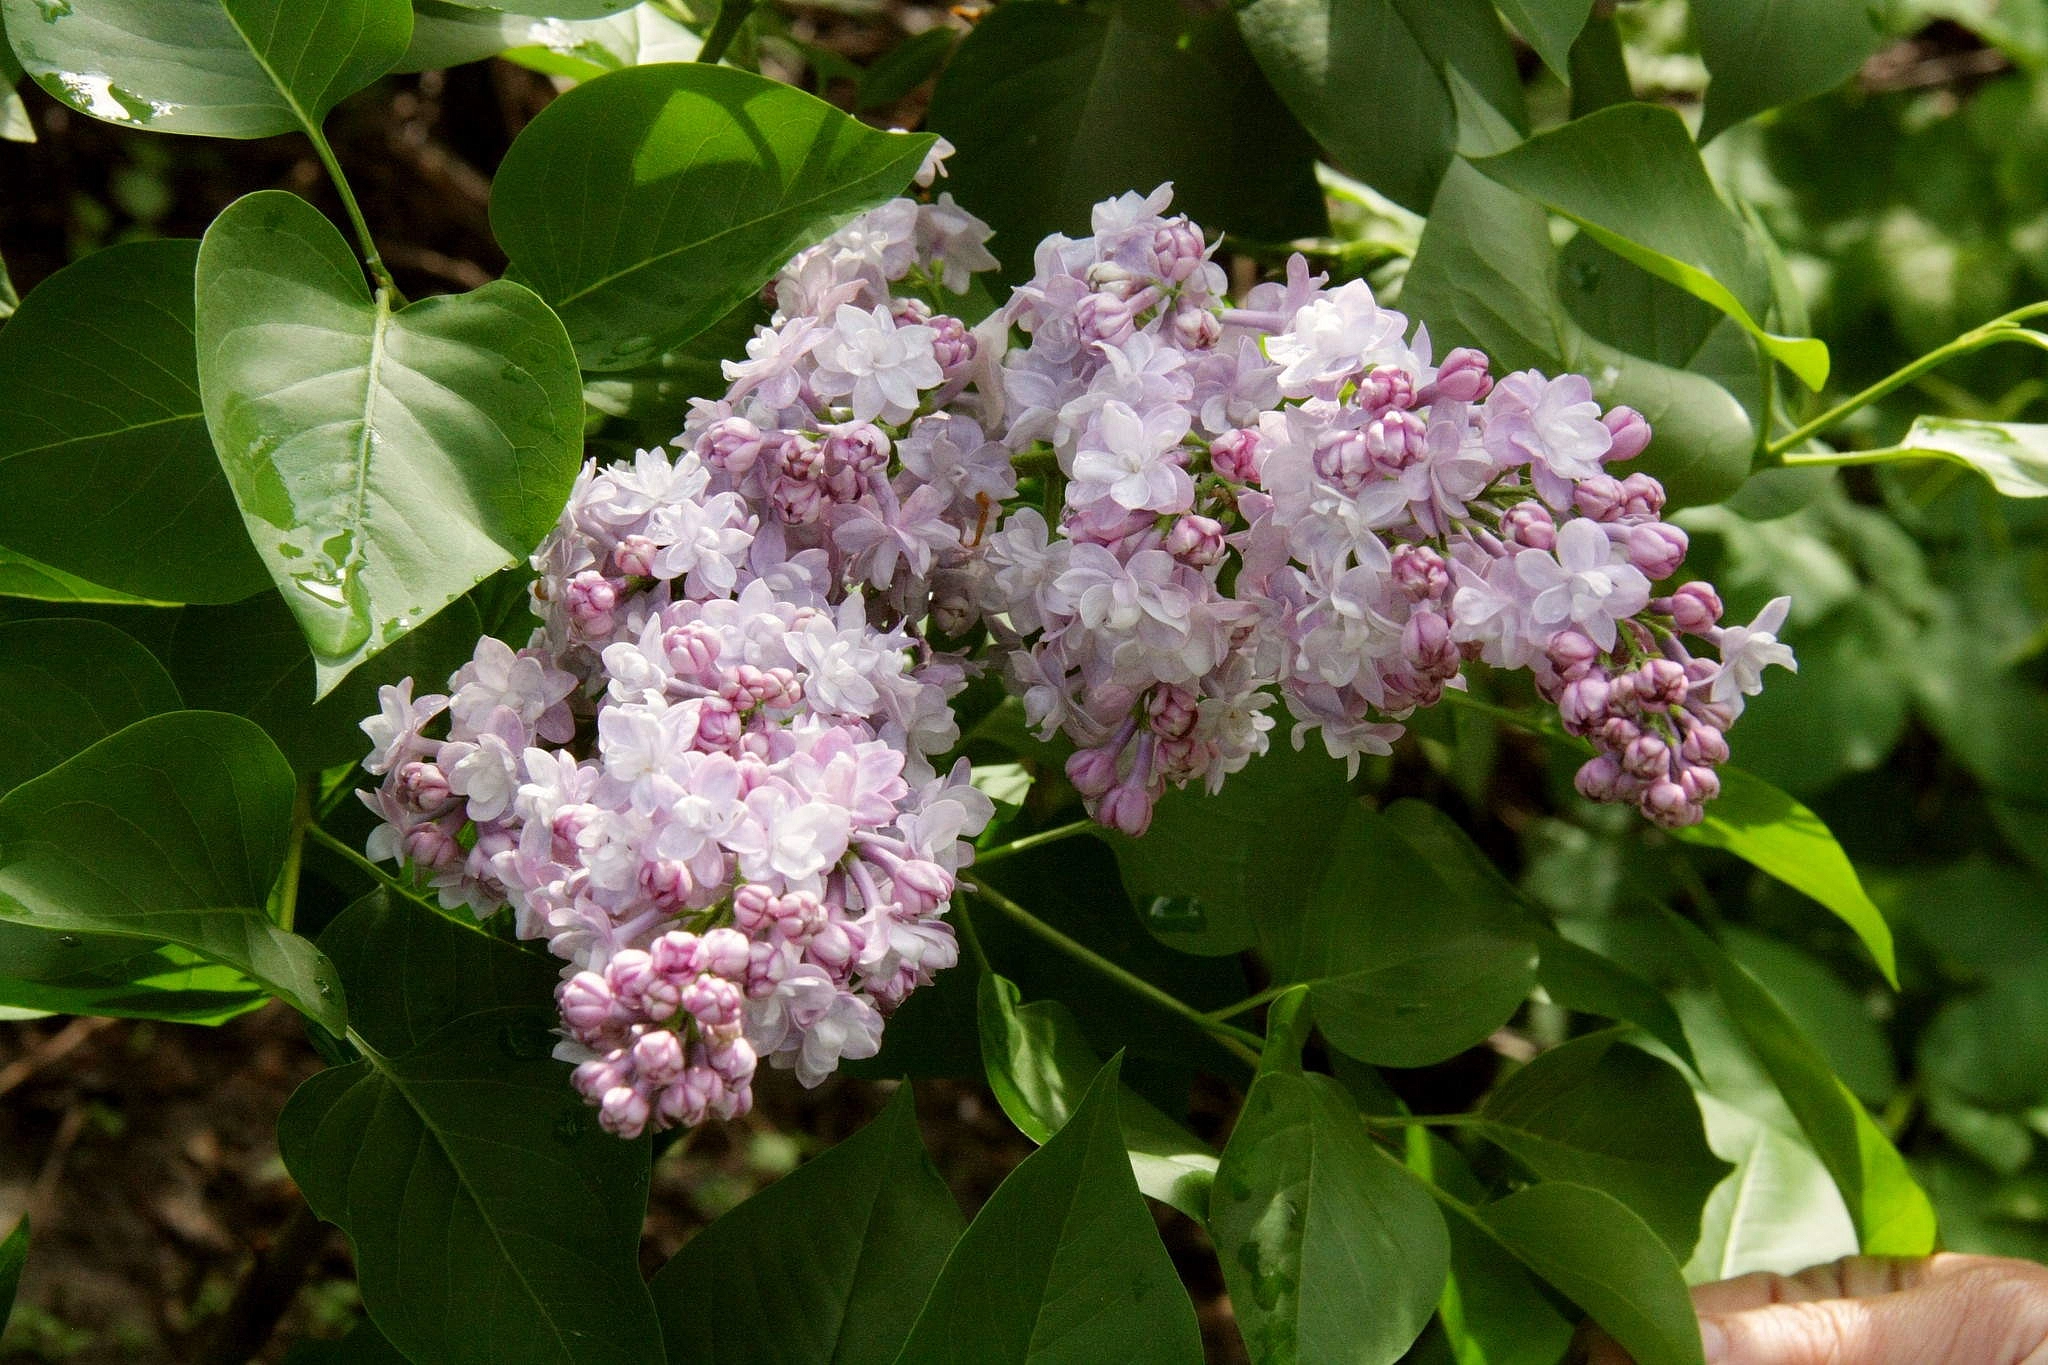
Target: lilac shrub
[(709, 781)]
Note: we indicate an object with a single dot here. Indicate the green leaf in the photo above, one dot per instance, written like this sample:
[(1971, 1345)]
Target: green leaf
[(1551, 26), (251, 660), (172, 830), (448, 35), (2012, 455), (1366, 77), (15, 126), (1891, 1212), (364, 1345), (13, 1256), (1778, 1210), (1838, 1019), (555, 9), (646, 204), (385, 461), (1039, 1065), (411, 971), (222, 68), (490, 1217), (102, 440), (1764, 53), (1054, 107), (1769, 830), (1216, 874), (67, 684), (121, 978), (1597, 1112), (1575, 977), (827, 1266), (21, 576), (1988, 1046), (1631, 177), (1062, 1263), (1403, 971), (1332, 1252), (1602, 1257), (905, 66)]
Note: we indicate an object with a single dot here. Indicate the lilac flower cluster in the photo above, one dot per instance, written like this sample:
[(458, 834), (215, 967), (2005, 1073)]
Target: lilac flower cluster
[(1290, 499), (707, 780)]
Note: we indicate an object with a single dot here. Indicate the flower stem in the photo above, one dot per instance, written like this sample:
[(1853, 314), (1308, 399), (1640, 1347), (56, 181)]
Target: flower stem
[(1242, 1042), (1031, 841), (1252, 1002), (731, 14)]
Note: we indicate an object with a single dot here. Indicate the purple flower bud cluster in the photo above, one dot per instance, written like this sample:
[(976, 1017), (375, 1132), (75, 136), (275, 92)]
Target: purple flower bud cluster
[(1288, 498)]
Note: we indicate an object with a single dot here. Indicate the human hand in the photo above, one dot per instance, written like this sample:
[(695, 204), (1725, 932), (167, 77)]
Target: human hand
[(1873, 1310)]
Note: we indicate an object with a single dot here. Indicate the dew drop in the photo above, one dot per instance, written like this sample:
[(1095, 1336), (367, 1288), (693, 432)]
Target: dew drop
[(69, 940), (53, 10)]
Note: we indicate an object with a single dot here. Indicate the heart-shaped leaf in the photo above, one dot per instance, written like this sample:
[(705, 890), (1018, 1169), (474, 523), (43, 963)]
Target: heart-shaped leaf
[(223, 68), (106, 471), (1597, 1112), (172, 830), (1062, 1263), (1331, 1250), (1039, 1064), (646, 204), (1631, 176), (386, 460), (827, 1266)]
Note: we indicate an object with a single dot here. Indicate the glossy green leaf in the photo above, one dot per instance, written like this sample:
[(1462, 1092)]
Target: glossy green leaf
[(121, 978), (1778, 1210), (1551, 26), (1332, 1252), (13, 1256), (1062, 1264), (1598, 1254), (1764, 53), (1630, 176), (9, 299), (555, 9), (21, 576), (446, 34), (1840, 1020), (172, 830), (1572, 976), (15, 126), (102, 439), (1217, 874), (65, 685), (1054, 107), (445, 970), (385, 461), (1366, 77), (1039, 1064), (1597, 1112), (1484, 275), (222, 68), (827, 1266), (2012, 455), (251, 659), (1891, 1212), (490, 1217), (1769, 830), (647, 204), (1401, 969)]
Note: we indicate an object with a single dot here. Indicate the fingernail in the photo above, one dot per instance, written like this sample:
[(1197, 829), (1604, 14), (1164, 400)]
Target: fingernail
[(1713, 1341)]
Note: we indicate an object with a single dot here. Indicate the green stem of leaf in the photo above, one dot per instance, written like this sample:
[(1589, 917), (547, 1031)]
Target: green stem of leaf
[(964, 920), (295, 854), (1252, 1002), (1422, 1120), (2001, 329), (731, 14), (394, 884), (378, 270), (1031, 841), (1243, 1042)]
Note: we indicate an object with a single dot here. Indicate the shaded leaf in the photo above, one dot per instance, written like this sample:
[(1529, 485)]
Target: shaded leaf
[(1551, 26), (1039, 1064), (1053, 108), (1062, 1263), (172, 830), (67, 684), (385, 460), (446, 34), (1599, 1113), (1331, 1250), (106, 470), (490, 1217), (13, 1256), (1630, 176), (647, 204), (1770, 831), (827, 1266), (1602, 1257), (121, 978), (1764, 53), (222, 68)]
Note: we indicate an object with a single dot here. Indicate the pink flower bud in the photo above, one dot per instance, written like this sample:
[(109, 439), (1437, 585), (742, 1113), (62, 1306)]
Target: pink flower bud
[(1583, 704), (1668, 807), (953, 345), (723, 952), (1235, 455), (1661, 682), (1170, 711), (590, 597), (1700, 784), (1394, 441), (586, 1004), (835, 946), (1427, 646), (1196, 540), (1195, 327), (1462, 377), (1601, 497), (595, 1077), (1703, 744), (1530, 524), (1657, 548), (1421, 573), (1342, 459), (732, 444), (922, 886), (623, 1111), (860, 446), (424, 788), (1695, 608), (667, 883), (1616, 733), (1385, 387), (796, 502), (734, 1063), (1630, 432), (1105, 317), (1599, 778), (713, 1001), (1645, 496), (1573, 654), (673, 955), (718, 725), (1647, 757), (657, 1057), (431, 846), (1178, 250), (753, 908), (1126, 808), (1093, 771)]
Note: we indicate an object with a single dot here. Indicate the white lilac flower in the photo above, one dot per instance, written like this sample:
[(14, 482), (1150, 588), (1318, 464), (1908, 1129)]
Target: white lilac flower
[(875, 364), (1746, 651)]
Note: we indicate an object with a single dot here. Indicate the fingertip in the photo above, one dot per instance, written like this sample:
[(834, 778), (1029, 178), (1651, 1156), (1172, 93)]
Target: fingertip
[(1713, 1341)]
